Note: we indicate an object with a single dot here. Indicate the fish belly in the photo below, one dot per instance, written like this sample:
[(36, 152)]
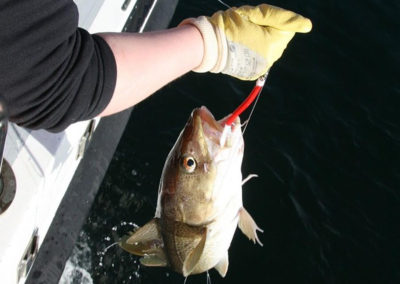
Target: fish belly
[(220, 232)]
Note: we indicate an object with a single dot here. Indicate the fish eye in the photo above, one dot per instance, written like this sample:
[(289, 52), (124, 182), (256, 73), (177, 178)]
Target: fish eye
[(189, 164)]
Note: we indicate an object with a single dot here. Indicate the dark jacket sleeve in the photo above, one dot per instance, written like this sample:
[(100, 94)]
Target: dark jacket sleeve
[(52, 73)]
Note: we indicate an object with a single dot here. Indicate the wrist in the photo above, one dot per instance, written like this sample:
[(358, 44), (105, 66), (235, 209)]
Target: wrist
[(209, 40)]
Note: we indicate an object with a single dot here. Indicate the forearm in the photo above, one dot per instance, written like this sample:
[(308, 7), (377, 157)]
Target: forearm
[(146, 62)]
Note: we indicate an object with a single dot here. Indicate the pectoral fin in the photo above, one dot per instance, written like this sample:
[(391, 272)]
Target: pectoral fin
[(248, 226), (192, 256), (222, 265), (153, 260), (146, 241)]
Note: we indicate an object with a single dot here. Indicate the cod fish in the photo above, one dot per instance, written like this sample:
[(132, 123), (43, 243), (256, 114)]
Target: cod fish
[(199, 202)]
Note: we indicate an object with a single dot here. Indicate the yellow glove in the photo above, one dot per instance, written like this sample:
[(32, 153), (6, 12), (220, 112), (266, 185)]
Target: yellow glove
[(244, 42)]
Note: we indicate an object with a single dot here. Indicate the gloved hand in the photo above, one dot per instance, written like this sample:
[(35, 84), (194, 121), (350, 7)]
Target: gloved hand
[(244, 42)]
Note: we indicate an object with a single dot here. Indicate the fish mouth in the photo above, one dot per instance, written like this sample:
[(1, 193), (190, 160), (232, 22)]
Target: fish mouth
[(212, 129)]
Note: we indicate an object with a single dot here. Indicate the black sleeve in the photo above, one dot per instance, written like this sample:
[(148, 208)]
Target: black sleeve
[(51, 72)]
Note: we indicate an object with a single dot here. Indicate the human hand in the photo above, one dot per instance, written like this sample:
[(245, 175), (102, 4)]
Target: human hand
[(245, 42)]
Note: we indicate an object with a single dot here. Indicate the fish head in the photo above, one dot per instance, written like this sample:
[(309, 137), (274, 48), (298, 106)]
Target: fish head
[(188, 182)]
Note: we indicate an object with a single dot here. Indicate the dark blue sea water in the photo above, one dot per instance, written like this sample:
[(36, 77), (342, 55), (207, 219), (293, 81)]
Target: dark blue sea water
[(324, 139)]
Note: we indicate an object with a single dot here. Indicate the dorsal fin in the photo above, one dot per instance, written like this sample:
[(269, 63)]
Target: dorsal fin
[(146, 241), (248, 226), (222, 265)]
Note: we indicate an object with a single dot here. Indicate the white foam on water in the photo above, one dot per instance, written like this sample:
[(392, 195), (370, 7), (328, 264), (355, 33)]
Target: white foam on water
[(75, 274), (78, 265)]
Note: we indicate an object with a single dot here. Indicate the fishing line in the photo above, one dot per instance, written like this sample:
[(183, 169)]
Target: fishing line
[(251, 112), (254, 94), (208, 278), (223, 3), (247, 102), (249, 177)]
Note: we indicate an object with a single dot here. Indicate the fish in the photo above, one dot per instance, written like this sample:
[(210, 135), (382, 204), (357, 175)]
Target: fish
[(199, 204)]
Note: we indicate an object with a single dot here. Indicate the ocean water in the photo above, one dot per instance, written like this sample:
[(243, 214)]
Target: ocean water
[(324, 140)]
